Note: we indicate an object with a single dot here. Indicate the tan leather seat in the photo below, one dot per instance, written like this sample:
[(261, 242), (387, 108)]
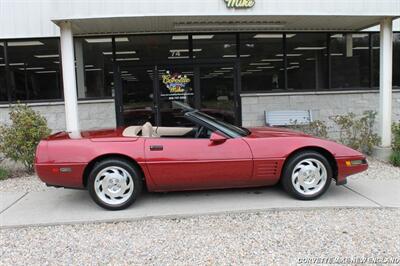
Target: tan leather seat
[(147, 130), (131, 131)]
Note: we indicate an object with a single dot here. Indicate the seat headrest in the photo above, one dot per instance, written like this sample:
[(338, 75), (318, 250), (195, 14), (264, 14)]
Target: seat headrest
[(131, 131), (147, 130)]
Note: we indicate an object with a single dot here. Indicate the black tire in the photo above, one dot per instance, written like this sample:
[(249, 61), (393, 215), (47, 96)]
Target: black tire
[(135, 174), (286, 179)]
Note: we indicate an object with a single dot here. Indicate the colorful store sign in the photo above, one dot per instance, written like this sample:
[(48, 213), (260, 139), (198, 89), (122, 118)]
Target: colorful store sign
[(178, 86)]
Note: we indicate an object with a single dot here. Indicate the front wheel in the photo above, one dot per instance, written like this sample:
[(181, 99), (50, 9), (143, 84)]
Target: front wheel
[(114, 184), (307, 175)]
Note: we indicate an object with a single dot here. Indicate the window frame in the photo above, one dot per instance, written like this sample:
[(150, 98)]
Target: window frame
[(190, 42)]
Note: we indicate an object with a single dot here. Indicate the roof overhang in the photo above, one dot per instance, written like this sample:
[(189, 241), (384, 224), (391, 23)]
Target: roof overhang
[(217, 23)]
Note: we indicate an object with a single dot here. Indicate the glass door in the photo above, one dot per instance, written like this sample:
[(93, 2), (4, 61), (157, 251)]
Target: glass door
[(137, 94), (149, 92), (218, 93), (175, 84)]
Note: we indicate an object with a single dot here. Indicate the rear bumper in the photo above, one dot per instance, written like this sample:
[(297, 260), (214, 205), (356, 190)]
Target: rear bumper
[(345, 169), (61, 175)]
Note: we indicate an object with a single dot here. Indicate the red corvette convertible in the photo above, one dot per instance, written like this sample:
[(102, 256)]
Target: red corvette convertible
[(114, 165)]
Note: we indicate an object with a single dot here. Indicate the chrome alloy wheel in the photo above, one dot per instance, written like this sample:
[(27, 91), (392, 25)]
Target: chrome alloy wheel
[(309, 176), (113, 185)]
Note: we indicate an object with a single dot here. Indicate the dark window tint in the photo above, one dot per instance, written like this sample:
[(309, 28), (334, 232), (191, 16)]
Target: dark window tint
[(94, 75), (396, 59), (34, 69), (306, 61), (350, 60), (214, 46), (375, 59), (3, 88), (262, 62), (135, 50)]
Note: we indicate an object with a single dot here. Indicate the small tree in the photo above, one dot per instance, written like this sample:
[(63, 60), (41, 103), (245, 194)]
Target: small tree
[(19, 140)]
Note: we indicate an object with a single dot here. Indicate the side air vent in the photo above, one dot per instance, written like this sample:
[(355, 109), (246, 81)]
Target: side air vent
[(264, 169)]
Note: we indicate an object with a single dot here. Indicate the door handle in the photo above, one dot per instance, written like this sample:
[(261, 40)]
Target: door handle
[(156, 147)]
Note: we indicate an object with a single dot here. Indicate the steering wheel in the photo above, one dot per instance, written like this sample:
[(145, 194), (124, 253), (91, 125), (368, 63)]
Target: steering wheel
[(199, 131)]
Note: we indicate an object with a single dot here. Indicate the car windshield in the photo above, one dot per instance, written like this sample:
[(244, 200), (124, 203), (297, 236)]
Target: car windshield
[(224, 127), (231, 130)]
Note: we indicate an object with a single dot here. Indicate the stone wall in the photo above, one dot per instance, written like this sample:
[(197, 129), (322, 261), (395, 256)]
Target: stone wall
[(322, 104), (92, 114)]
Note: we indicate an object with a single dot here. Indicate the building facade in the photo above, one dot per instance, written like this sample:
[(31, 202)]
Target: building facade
[(97, 64)]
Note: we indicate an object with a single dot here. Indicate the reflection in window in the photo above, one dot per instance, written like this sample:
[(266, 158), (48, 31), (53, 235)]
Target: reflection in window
[(350, 60), (217, 92), (262, 62), (3, 87), (176, 83), (375, 59), (396, 59), (137, 90), (34, 69), (306, 61), (93, 66), (214, 46), (151, 48)]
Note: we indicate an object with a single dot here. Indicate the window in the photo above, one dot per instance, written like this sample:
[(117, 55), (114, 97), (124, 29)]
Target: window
[(350, 60), (261, 62), (94, 72), (34, 69), (149, 49), (396, 59), (3, 87), (306, 61), (214, 46), (375, 59)]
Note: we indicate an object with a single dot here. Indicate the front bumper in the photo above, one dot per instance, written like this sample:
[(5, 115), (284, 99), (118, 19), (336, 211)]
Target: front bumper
[(349, 166)]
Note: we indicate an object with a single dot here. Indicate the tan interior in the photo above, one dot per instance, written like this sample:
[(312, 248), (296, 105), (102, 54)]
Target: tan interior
[(147, 130), (132, 131)]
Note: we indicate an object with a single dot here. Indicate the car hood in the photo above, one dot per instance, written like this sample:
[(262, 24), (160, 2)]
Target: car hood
[(270, 132)]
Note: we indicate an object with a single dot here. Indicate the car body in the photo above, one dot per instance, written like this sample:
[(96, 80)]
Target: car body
[(172, 159)]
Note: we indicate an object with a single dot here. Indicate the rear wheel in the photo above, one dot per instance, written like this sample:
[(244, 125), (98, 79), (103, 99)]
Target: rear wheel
[(114, 184), (307, 175)]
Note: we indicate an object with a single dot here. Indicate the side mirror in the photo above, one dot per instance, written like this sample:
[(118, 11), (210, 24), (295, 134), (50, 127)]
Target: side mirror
[(216, 138)]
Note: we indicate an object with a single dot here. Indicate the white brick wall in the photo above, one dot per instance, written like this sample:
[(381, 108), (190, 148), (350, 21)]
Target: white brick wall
[(323, 105), (92, 114)]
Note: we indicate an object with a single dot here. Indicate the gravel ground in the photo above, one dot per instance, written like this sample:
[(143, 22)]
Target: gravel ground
[(271, 237), (22, 184), (377, 170)]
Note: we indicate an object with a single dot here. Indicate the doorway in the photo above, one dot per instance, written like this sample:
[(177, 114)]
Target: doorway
[(148, 92)]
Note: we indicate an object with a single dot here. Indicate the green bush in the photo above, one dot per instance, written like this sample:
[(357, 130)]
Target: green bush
[(3, 174), (316, 128), (19, 140), (357, 132), (395, 158)]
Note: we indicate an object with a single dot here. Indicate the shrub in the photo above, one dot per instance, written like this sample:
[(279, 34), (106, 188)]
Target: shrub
[(396, 136), (395, 158), (3, 174), (315, 128), (19, 140), (357, 132)]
